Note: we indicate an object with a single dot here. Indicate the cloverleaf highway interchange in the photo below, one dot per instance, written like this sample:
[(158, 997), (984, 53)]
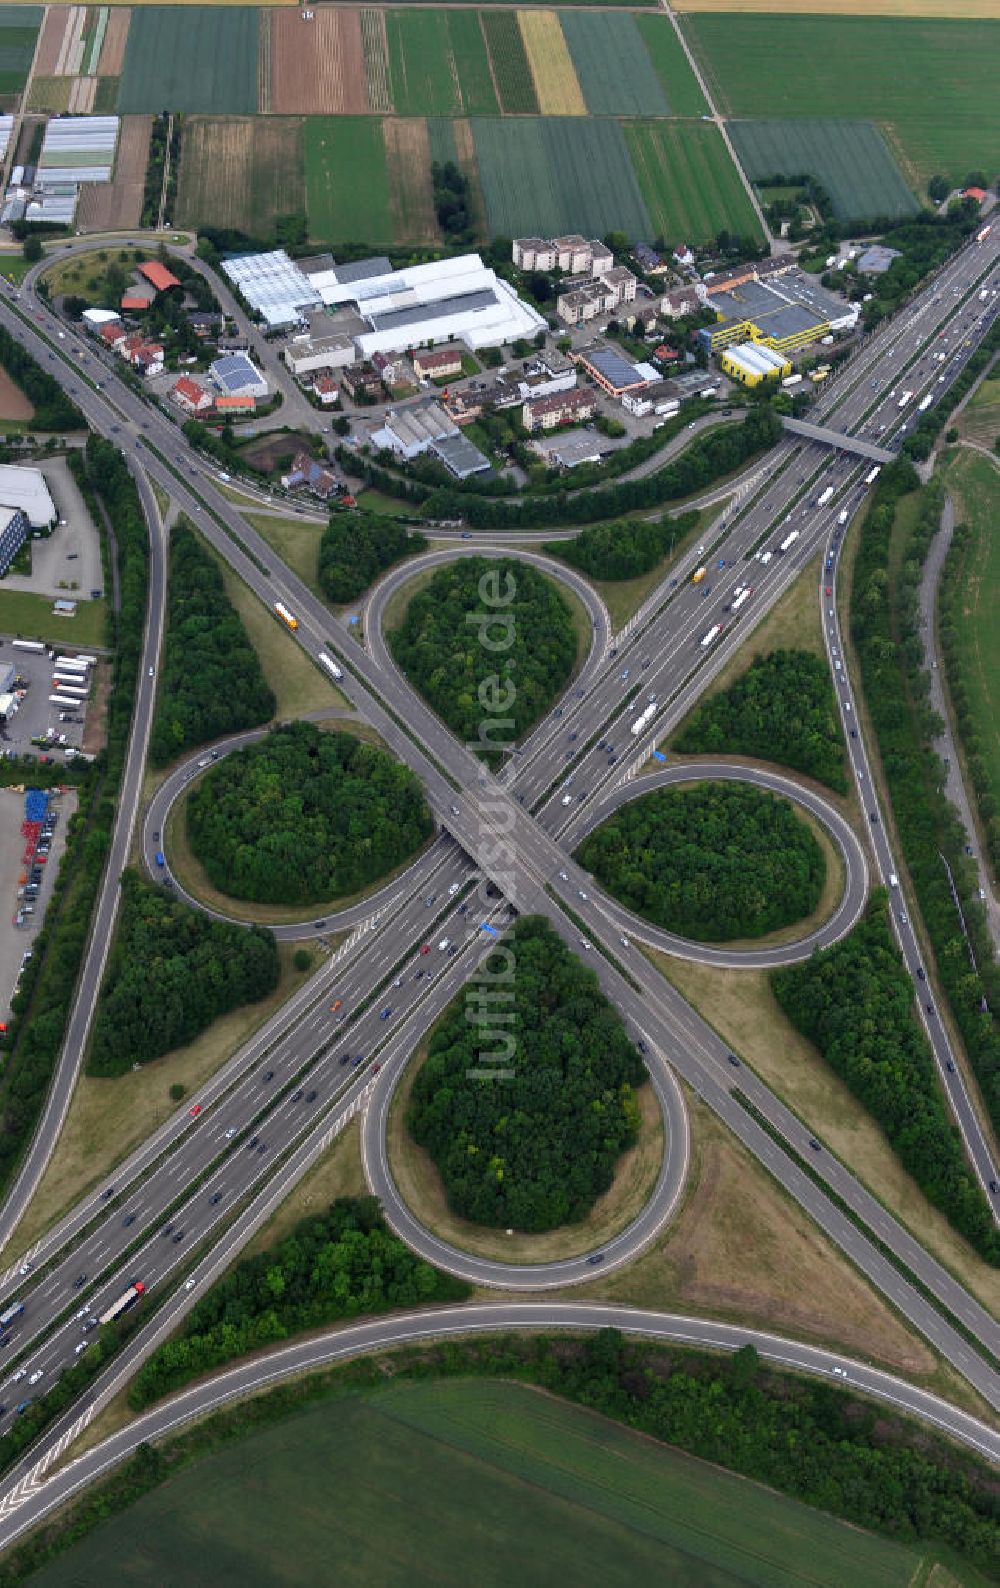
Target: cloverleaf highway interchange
[(503, 847)]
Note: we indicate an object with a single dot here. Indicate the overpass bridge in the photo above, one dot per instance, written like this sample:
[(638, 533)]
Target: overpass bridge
[(836, 438)]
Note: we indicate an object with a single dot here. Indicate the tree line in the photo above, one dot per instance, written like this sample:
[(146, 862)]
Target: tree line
[(304, 817), (53, 409), (487, 696), (886, 628), (712, 454), (953, 590), (40, 1007), (357, 547), (211, 681), (343, 1263), (781, 709), (171, 972), (529, 1142), (625, 549), (855, 1002), (714, 862)]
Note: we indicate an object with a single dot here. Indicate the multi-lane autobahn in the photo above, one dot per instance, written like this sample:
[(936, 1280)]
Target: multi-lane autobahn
[(518, 830)]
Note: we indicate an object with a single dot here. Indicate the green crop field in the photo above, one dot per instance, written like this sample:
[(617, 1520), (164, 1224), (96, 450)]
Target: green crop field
[(456, 1482), (932, 85), (552, 174), (849, 159), (471, 63), (690, 185), (615, 71), (423, 82), (973, 480), (510, 62), (347, 180), (191, 58), (19, 27), (684, 97)]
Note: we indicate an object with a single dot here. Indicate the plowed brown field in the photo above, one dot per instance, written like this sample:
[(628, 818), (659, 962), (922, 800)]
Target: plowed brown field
[(411, 196), (113, 49), (50, 42), (317, 68), (117, 205)]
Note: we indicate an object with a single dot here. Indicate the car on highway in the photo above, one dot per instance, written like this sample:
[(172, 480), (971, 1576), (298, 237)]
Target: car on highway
[(386, 1012), (268, 1075), (425, 948), (194, 1110), (337, 1004)]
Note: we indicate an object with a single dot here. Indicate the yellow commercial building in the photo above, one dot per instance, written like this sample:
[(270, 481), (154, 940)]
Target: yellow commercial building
[(750, 363)]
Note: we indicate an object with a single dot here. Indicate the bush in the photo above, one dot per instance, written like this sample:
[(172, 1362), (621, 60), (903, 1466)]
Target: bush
[(782, 709), (461, 676), (357, 547), (53, 409), (172, 971), (305, 817), (713, 862), (855, 1002), (534, 1146), (625, 550), (302, 960), (211, 681), (340, 1264)]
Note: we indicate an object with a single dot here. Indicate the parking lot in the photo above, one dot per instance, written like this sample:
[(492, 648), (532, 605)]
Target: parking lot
[(67, 562), (35, 716), (16, 941)]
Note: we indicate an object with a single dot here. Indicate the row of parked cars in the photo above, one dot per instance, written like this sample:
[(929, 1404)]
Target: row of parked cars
[(28, 891)]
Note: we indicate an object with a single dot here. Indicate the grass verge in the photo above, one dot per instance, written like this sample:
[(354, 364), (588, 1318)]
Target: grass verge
[(30, 617), (422, 1190), (296, 542), (298, 685)]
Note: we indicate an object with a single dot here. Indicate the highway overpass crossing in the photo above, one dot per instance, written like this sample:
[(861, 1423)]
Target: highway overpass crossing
[(836, 438)]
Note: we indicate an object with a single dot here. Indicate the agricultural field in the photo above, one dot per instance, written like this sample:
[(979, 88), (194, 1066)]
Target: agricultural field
[(241, 172), (347, 180), (411, 196), (684, 96), (613, 65), (511, 71), (424, 81), (399, 1475), (471, 63), (191, 58), (690, 185), (109, 206), (553, 74), (314, 68), (931, 86), (981, 9), (850, 159), (558, 174), (19, 27), (974, 481)]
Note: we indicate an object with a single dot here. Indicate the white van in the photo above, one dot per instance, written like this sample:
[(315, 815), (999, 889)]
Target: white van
[(443, 945)]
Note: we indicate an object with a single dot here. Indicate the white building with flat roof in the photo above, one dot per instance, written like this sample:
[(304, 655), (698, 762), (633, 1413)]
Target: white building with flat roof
[(26, 489)]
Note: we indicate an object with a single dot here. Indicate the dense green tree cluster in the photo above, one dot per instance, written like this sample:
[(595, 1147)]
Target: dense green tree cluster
[(211, 681), (712, 454), (855, 1002), (781, 709), (172, 971), (623, 550), (357, 547), (959, 586), (534, 1144), (53, 409), (886, 626), (714, 862), (340, 1264), (490, 644), (304, 817), (41, 1005)]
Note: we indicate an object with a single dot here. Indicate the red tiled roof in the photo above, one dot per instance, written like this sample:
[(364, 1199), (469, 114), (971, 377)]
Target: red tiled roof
[(976, 193), (129, 301), (224, 403), (158, 275), (190, 389)]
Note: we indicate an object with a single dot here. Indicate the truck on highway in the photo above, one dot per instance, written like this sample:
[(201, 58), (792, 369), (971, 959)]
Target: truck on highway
[(126, 1300), (925, 402), (286, 617), (643, 720), (842, 516), (983, 233), (873, 474), (711, 636), (696, 577), (741, 597), (330, 665), (904, 398), (10, 1313), (789, 541), (824, 496)]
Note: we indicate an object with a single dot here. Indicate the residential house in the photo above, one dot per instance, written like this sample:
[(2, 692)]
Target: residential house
[(562, 408)]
